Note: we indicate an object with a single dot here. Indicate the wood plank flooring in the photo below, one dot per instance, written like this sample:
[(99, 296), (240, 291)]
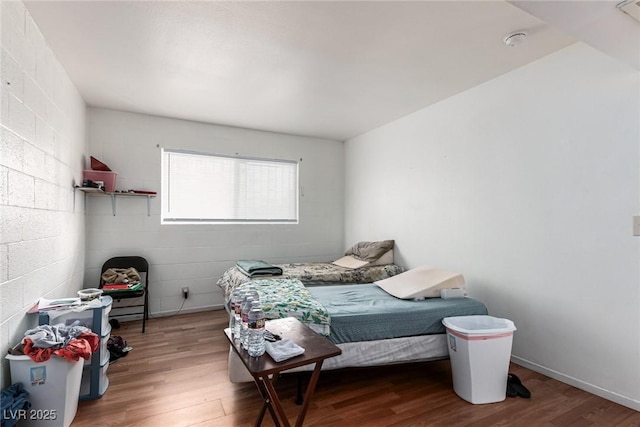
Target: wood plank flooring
[(176, 375)]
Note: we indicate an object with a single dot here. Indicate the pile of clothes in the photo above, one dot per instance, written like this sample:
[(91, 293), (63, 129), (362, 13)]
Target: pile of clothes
[(13, 399), (70, 342)]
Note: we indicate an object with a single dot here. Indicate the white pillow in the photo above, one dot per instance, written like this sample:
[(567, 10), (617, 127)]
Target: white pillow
[(421, 282)]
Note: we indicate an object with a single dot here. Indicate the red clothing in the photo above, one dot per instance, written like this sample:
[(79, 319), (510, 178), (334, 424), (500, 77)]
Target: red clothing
[(82, 346)]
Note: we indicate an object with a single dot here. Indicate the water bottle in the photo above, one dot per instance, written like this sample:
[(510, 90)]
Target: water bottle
[(256, 332), (244, 335), (232, 310), (237, 315), (255, 303), (251, 290)]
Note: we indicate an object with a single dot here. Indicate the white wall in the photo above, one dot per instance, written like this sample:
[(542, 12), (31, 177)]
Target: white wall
[(527, 184), (197, 255), (41, 156)]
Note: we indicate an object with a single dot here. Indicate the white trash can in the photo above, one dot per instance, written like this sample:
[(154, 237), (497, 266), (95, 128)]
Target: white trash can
[(480, 351), (53, 387)]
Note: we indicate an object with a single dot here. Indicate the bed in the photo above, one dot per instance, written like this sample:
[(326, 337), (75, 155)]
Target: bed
[(311, 274), (364, 262), (372, 327)]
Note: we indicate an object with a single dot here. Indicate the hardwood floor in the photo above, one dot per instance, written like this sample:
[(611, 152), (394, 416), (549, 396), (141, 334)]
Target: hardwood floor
[(176, 375)]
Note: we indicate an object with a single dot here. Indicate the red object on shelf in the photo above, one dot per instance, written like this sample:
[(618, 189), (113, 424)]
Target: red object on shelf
[(115, 286), (97, 165)]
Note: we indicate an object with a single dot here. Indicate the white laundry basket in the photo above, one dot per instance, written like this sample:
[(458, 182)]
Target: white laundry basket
[(53, 387), (480, 351)]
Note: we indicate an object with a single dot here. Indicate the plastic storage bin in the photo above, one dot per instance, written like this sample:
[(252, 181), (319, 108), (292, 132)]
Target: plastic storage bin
[(480, 351), (100, 325), (109, 178), (104, 350), (53, 387), (102, 380), (94, 381)]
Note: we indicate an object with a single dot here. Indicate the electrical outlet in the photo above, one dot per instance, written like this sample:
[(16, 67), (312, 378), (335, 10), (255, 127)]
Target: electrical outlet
[(185, 292)]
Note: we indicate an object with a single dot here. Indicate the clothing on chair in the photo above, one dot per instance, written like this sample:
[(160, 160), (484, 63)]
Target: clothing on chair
[(121, 275)]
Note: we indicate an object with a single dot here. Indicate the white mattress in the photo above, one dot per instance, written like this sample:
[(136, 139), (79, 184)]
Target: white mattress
[(365, 353)]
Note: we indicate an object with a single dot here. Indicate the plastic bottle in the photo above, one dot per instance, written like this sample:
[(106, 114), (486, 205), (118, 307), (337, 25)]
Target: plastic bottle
[(246, 307), (237, 315), (251, 291), (256, 332), (232, 310), (255, 303)]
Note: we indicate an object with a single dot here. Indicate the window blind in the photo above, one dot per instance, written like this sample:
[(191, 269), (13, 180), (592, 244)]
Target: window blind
[(201, 187)]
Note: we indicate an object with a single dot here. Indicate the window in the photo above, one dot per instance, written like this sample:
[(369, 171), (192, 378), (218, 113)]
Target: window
[(209, 188)]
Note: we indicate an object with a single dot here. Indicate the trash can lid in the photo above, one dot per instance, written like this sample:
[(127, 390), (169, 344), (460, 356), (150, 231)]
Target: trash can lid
[(479, 324)]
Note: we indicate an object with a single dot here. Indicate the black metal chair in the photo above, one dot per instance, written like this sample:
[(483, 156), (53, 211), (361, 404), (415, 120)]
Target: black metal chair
[(142, 266)]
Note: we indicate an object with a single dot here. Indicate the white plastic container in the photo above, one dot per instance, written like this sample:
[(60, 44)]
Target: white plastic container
[(480, 351), (53, 387), (89, 294)]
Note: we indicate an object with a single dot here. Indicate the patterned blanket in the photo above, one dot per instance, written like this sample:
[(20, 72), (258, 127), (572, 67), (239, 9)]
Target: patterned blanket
[(282, 298), (312, 272)]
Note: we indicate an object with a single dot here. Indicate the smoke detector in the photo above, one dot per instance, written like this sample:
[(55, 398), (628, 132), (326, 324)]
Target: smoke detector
[(515, 39), (631, 8)]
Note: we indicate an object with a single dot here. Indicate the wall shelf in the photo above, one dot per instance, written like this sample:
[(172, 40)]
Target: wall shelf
[(89, 191)]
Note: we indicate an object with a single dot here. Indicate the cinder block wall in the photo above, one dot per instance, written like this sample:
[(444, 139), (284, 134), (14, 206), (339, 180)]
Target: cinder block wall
[(42, 151)]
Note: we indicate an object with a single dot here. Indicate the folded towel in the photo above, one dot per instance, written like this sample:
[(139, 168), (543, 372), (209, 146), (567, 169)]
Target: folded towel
[(257, 268), (283, 350)]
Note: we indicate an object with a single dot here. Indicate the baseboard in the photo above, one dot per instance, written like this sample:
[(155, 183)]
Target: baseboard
[(593, 389), (130, 317), (186, 310)]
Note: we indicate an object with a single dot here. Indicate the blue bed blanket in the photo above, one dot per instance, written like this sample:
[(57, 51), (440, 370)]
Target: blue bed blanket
[(365, 312)]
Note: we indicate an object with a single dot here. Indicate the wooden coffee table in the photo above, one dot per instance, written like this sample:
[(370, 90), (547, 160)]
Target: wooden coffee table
[(265, 370)]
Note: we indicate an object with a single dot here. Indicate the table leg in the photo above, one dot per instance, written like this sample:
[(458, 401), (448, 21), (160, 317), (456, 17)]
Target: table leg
[(275, 401), (301, 377), (307, 397), (260, 383)]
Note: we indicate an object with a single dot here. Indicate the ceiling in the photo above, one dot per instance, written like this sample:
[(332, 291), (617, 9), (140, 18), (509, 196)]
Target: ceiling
[(325, 69)]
